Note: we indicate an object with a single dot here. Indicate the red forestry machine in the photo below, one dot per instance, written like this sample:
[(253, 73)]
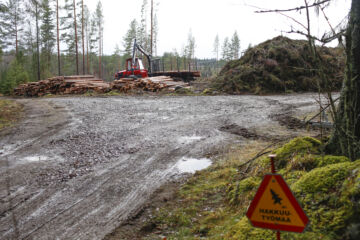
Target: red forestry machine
[(135, 68)]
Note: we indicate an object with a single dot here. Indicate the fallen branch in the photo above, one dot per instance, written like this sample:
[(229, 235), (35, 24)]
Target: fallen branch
[(308, 121), (259, 154)]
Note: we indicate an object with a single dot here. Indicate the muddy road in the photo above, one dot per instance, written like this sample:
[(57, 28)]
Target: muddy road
[(76, 168)]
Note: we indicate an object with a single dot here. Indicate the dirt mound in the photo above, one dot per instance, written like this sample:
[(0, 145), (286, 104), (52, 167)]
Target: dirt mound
[(280, 65)]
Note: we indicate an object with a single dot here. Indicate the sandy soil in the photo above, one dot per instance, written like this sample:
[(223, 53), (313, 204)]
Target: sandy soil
[(76, 168)]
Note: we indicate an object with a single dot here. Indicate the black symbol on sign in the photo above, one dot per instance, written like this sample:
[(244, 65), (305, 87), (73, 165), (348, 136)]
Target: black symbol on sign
[(275, 197)]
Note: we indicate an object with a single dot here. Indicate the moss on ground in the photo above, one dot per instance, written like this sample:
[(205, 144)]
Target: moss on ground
[(9, 113), (280, 65), (213, 203)]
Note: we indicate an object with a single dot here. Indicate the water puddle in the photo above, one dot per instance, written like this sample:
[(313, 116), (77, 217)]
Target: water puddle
[(191, 165), (187, 140), (36, 158)]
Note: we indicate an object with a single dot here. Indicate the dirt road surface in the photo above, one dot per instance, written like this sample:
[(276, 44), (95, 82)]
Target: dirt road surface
[(76, 168)]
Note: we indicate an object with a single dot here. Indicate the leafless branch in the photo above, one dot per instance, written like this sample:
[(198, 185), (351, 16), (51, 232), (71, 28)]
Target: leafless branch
[(285, 15), (292, 9), (323, 39), (331, 27)]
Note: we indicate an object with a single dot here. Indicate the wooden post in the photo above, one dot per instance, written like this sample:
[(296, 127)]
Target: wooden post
[(273, 171)]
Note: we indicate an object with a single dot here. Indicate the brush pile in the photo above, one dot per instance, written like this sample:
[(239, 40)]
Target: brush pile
[(282, 65)]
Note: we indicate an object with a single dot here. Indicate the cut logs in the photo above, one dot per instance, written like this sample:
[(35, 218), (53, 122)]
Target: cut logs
[(83, 84), (62, 85), (152, 84)]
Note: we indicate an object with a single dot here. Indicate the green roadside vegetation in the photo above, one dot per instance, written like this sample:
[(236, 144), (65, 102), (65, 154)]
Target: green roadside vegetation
[(212, 204), (9, 113)]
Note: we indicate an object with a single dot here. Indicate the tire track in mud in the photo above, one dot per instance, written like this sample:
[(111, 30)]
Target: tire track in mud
[(106, 156)]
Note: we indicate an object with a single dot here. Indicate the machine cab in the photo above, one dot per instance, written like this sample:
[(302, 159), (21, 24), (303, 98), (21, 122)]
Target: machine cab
[(138, 64), (138, 69)]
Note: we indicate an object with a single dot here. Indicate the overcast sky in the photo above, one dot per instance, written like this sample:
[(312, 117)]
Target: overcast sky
[(206, 18)]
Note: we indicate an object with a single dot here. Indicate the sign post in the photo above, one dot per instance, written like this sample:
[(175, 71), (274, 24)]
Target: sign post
[(275, 207)]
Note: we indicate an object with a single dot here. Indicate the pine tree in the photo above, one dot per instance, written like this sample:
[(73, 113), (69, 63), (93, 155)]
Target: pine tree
[(93, 40), (190, 46), (69, 37), (87, 29), (11, 23), (142, 36), (76, 40), (129, 38), (47, 36), (99, 21), (155, 35), (226, 55), (83, 34), (3, 10), (29, 45), (58, 37), (151, 27), (34, 10), (216, 47)]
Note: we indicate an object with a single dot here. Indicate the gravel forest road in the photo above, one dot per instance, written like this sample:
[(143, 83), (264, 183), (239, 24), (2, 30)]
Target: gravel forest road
[(77, 167)]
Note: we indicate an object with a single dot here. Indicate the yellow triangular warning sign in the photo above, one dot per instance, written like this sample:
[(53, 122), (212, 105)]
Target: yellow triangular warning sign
[(275, 207)]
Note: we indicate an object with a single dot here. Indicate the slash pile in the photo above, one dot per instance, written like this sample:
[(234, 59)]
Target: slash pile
[(62, 85), (83, 84)]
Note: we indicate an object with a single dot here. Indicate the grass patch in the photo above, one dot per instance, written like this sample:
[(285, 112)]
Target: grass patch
[(213, 203), (9, 113)]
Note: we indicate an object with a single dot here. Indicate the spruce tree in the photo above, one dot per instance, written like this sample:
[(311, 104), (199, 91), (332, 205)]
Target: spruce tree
[(235, 46)]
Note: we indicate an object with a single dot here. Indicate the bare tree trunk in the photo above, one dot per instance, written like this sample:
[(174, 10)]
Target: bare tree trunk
[(152, 28), (100, 50), (345, 139), (58, 36), (37, 40), (82, 33), (16, 33), (308, 26), (87, 56), (76, 41)]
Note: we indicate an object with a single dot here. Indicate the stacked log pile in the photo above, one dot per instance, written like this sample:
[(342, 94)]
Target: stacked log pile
[(83, 84), (152, 84), (62, 85)]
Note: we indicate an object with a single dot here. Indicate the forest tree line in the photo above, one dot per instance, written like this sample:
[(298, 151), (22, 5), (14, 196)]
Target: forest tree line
[(45, 38)]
